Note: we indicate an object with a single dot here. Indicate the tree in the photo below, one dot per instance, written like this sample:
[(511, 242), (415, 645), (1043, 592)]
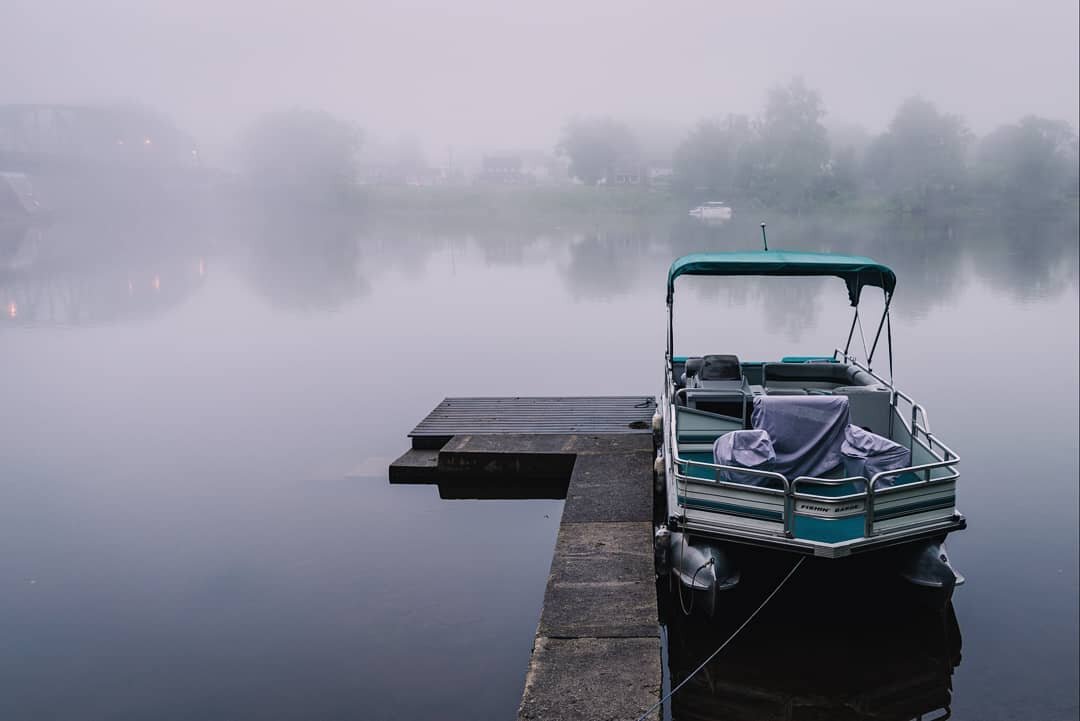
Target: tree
[(839, 178), (791, 149), (308, 155), (707, 159), (596, 147), (918, 164), (1030, 165)]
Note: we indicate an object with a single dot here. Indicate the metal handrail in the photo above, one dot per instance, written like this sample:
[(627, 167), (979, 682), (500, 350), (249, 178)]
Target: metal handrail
[(715, 392), (735, 469), (917, 409), (731, 484), (828, 482), (934, 440), (921, 468)]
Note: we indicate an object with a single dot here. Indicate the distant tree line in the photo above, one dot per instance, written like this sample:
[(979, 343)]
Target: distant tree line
[(925, 162), (301, 157)]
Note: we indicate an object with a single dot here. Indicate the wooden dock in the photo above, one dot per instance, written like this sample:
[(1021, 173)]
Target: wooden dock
[(596, 654), (533, 416)]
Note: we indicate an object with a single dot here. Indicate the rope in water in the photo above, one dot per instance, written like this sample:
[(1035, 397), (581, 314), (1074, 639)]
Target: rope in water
[(729, 639)]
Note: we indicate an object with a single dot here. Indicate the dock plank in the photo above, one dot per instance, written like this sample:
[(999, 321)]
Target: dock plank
[(537, 415)]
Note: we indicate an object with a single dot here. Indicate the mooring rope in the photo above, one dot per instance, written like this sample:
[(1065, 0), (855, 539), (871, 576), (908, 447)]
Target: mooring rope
[(687, 611), (729, 639)]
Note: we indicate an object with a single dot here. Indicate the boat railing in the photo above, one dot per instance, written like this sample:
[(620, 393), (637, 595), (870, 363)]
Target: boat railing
[(770, 475), (916, 420)]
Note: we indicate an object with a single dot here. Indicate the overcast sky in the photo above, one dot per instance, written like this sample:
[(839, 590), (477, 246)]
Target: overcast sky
[(505, 73)]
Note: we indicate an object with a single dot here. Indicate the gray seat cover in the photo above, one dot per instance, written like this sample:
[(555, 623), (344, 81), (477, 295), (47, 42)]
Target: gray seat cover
[(866, 454), (806, 431), (747, 449)]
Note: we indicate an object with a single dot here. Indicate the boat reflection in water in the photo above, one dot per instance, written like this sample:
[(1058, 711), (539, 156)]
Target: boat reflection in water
[(823, 648)]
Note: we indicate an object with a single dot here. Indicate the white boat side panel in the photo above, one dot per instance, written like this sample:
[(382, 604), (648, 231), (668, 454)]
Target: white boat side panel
[(915, 519), (921, 494), (706, 520), (723, 494)]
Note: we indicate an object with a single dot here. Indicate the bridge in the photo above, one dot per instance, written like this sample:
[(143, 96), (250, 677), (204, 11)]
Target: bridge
[(39, 138)]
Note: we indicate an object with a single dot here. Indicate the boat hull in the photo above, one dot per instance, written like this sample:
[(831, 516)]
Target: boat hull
[(704, 570)]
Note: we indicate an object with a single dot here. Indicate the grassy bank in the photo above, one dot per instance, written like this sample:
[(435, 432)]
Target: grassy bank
[(546, 201)]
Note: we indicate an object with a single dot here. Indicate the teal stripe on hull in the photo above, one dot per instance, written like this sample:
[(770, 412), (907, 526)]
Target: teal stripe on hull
[(699, 504), (829, 530)]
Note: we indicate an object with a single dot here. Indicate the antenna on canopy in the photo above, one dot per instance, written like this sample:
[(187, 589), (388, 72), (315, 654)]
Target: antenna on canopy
[(763, 238)]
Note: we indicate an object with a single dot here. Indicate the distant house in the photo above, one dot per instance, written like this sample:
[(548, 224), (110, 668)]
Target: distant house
[(429, 176), (628, 176), (661, 177), (504, 170)]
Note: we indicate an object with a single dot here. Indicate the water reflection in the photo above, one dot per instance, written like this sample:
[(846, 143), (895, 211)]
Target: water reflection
[(67, 275), (103, 273), (824, 649), (304, 265)]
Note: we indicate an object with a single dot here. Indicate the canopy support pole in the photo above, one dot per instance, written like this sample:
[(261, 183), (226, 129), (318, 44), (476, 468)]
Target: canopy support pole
[(670, 332), (888, 336), (877, 336), (851, 333)]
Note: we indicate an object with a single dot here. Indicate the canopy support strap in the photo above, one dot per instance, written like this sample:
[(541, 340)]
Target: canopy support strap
[(877, 336), (862, 339)]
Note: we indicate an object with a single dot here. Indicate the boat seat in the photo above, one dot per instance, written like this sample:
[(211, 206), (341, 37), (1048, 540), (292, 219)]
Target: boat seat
[(691, 367), (806, 431), (816, 375), (715, 384), (866, 454), (750, 449), (720, 368), (871, 407)]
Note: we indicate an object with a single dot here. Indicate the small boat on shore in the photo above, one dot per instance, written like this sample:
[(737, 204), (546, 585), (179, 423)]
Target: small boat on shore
[(816, 456), (712, 210)]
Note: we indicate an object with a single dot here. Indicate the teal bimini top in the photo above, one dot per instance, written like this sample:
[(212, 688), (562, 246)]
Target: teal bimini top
[(857, 271)]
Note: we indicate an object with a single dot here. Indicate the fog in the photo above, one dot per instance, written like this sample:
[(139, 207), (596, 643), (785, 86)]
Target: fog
[(484, 74), (245, 246)]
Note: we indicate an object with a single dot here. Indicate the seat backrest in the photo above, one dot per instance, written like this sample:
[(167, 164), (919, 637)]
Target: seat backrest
[(806, 431), (870, 407), (815, 374), (693, 366), (720, 368)]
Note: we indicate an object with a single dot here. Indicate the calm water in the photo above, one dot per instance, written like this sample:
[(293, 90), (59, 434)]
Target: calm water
[(195, 520)]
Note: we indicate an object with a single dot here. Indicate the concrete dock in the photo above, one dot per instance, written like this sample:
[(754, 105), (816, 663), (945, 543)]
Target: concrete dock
[(596, 655)]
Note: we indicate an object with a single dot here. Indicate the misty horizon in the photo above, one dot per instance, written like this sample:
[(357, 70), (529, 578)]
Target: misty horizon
[(484, 76)]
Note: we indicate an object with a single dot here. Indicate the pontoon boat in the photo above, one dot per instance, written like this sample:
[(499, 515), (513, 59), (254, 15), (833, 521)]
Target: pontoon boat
[(819, 456)]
